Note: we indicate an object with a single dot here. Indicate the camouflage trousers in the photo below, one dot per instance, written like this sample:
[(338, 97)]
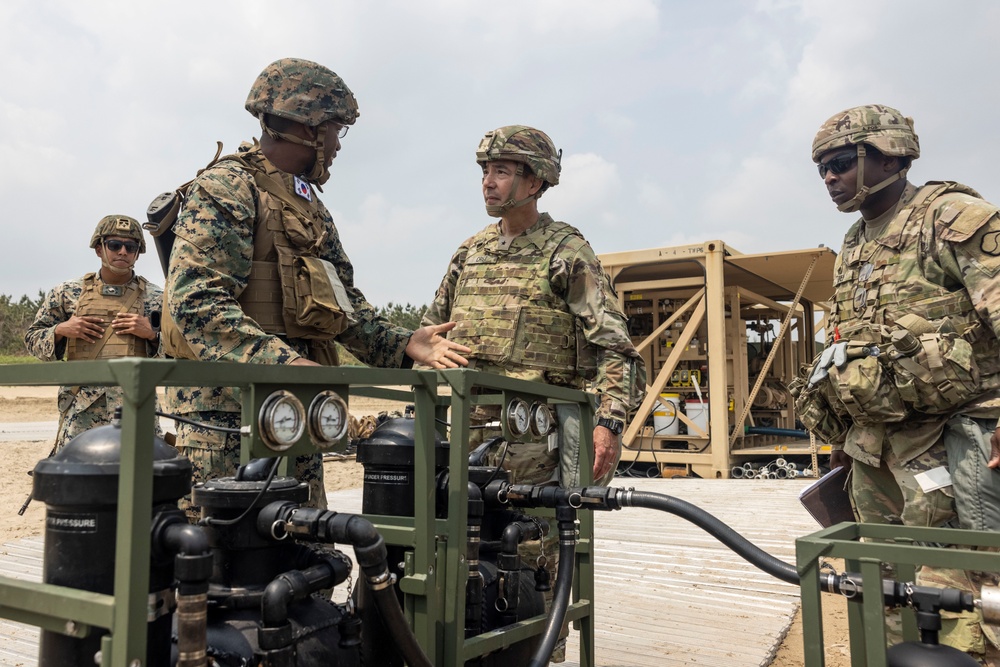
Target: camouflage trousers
[(214, 454), (891, 494), (73, 422)]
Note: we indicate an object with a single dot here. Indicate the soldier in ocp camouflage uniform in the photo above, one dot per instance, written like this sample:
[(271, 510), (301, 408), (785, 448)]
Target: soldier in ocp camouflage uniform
[(922, 262), (257, 273), (532, 301), (108, 314)]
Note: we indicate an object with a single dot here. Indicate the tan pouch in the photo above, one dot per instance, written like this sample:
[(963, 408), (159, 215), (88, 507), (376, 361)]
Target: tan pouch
[(321, 306), (813, 409)]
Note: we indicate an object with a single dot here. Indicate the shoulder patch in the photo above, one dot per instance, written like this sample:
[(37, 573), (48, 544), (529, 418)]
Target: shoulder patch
[(961, 217)]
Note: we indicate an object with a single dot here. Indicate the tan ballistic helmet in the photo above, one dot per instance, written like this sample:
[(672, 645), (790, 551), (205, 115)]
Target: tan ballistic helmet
[(118, 225), (877, 125), (520, 143), (304, 92)]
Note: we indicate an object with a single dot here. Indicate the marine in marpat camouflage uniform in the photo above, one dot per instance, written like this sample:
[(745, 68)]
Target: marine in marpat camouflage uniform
[(532, 301), (917, 275), (104, 315), (251, 234)]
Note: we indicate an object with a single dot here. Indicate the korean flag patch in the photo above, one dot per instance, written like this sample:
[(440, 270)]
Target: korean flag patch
[(302, 189)]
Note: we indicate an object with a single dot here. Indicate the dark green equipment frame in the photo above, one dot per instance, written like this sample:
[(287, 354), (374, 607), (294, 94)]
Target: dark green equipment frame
[(902, 546), (435, 567)]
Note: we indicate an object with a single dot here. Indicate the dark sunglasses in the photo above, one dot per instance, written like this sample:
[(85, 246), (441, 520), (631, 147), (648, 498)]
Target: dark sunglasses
[(837, 165), (113, 245)]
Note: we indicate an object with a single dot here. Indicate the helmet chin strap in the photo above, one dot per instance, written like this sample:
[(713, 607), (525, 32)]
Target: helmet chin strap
[(854, 204), (498, 210), (106, 263), (318, 174)]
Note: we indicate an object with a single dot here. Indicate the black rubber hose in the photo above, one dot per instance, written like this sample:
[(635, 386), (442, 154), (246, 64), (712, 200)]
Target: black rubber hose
[(564, 586), (699, 517), (392, 615)]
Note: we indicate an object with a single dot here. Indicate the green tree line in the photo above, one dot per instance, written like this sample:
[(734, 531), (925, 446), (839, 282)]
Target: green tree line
[(16, 316)]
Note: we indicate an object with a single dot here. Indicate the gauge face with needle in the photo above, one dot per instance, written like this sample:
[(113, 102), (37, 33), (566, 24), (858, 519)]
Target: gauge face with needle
[(518, 417), (328, 418), (282, 420), (543, 421)]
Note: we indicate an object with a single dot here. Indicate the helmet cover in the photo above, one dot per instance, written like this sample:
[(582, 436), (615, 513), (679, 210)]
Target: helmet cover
[(520, 143), (118, 225), (877, 125), (304, 92)]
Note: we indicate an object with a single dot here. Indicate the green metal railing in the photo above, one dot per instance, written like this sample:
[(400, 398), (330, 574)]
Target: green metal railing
[(435, 568)]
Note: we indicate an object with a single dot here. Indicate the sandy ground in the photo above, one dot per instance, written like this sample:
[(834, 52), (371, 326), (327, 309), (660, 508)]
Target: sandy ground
[(27, 404)]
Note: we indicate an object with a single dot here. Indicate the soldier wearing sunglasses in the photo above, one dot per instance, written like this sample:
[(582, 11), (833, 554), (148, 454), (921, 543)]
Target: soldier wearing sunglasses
[(107, 314), (917, 277)]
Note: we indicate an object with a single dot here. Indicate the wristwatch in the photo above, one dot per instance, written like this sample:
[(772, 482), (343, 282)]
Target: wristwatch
[(616, 426)]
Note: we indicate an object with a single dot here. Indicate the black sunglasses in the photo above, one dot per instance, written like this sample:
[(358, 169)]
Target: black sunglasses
[(114, 245), (837, 165)]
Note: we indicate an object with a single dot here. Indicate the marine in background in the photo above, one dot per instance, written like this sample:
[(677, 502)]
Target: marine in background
[(108, 314), (911, 376), (257, 273)]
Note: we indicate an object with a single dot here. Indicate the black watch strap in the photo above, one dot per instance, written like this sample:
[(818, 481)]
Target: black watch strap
[(616, 426)]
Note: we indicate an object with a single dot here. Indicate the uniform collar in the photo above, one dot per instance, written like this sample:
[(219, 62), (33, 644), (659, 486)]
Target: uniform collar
[(534, 235)]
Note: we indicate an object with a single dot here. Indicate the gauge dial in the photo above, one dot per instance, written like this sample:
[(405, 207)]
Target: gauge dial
[(328, 418), (282, 420), (518, 417), (543, 421)]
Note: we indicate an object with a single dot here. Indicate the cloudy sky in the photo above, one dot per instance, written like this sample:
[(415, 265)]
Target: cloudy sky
[(680, 122)]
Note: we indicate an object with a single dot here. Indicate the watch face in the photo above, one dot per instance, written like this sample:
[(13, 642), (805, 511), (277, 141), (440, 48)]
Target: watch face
[(542, 420), (282, 420), (328, 418), (518, 417)]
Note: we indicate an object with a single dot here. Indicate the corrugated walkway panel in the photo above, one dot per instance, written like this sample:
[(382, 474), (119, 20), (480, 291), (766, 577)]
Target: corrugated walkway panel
[(667, 592)]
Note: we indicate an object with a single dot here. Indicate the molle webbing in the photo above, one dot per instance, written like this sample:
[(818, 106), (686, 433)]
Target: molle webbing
[(895, 284), (262, 300), (507, 312), (93, 303)]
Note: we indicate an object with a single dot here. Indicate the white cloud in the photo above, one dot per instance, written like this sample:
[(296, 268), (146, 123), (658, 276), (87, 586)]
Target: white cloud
[(679, 121)]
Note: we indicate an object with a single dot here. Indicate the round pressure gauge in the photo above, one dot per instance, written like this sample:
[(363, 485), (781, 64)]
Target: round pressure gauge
[(328, 418), (282, 420), (518, 417), (543, 421)]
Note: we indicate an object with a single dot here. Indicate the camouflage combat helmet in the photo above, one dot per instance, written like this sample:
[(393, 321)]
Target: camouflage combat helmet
[(304, 92), (118, 225), (524, 145), (876, 125)]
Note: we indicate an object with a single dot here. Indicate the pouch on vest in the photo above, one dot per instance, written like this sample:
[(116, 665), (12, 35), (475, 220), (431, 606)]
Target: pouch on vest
[(321, 306), (935, 369), (867, 392), (814, 410)]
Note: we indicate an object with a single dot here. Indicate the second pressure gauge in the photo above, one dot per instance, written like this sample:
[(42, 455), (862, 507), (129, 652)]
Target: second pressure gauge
[(328, 418), (282, 420), (543, 421)]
